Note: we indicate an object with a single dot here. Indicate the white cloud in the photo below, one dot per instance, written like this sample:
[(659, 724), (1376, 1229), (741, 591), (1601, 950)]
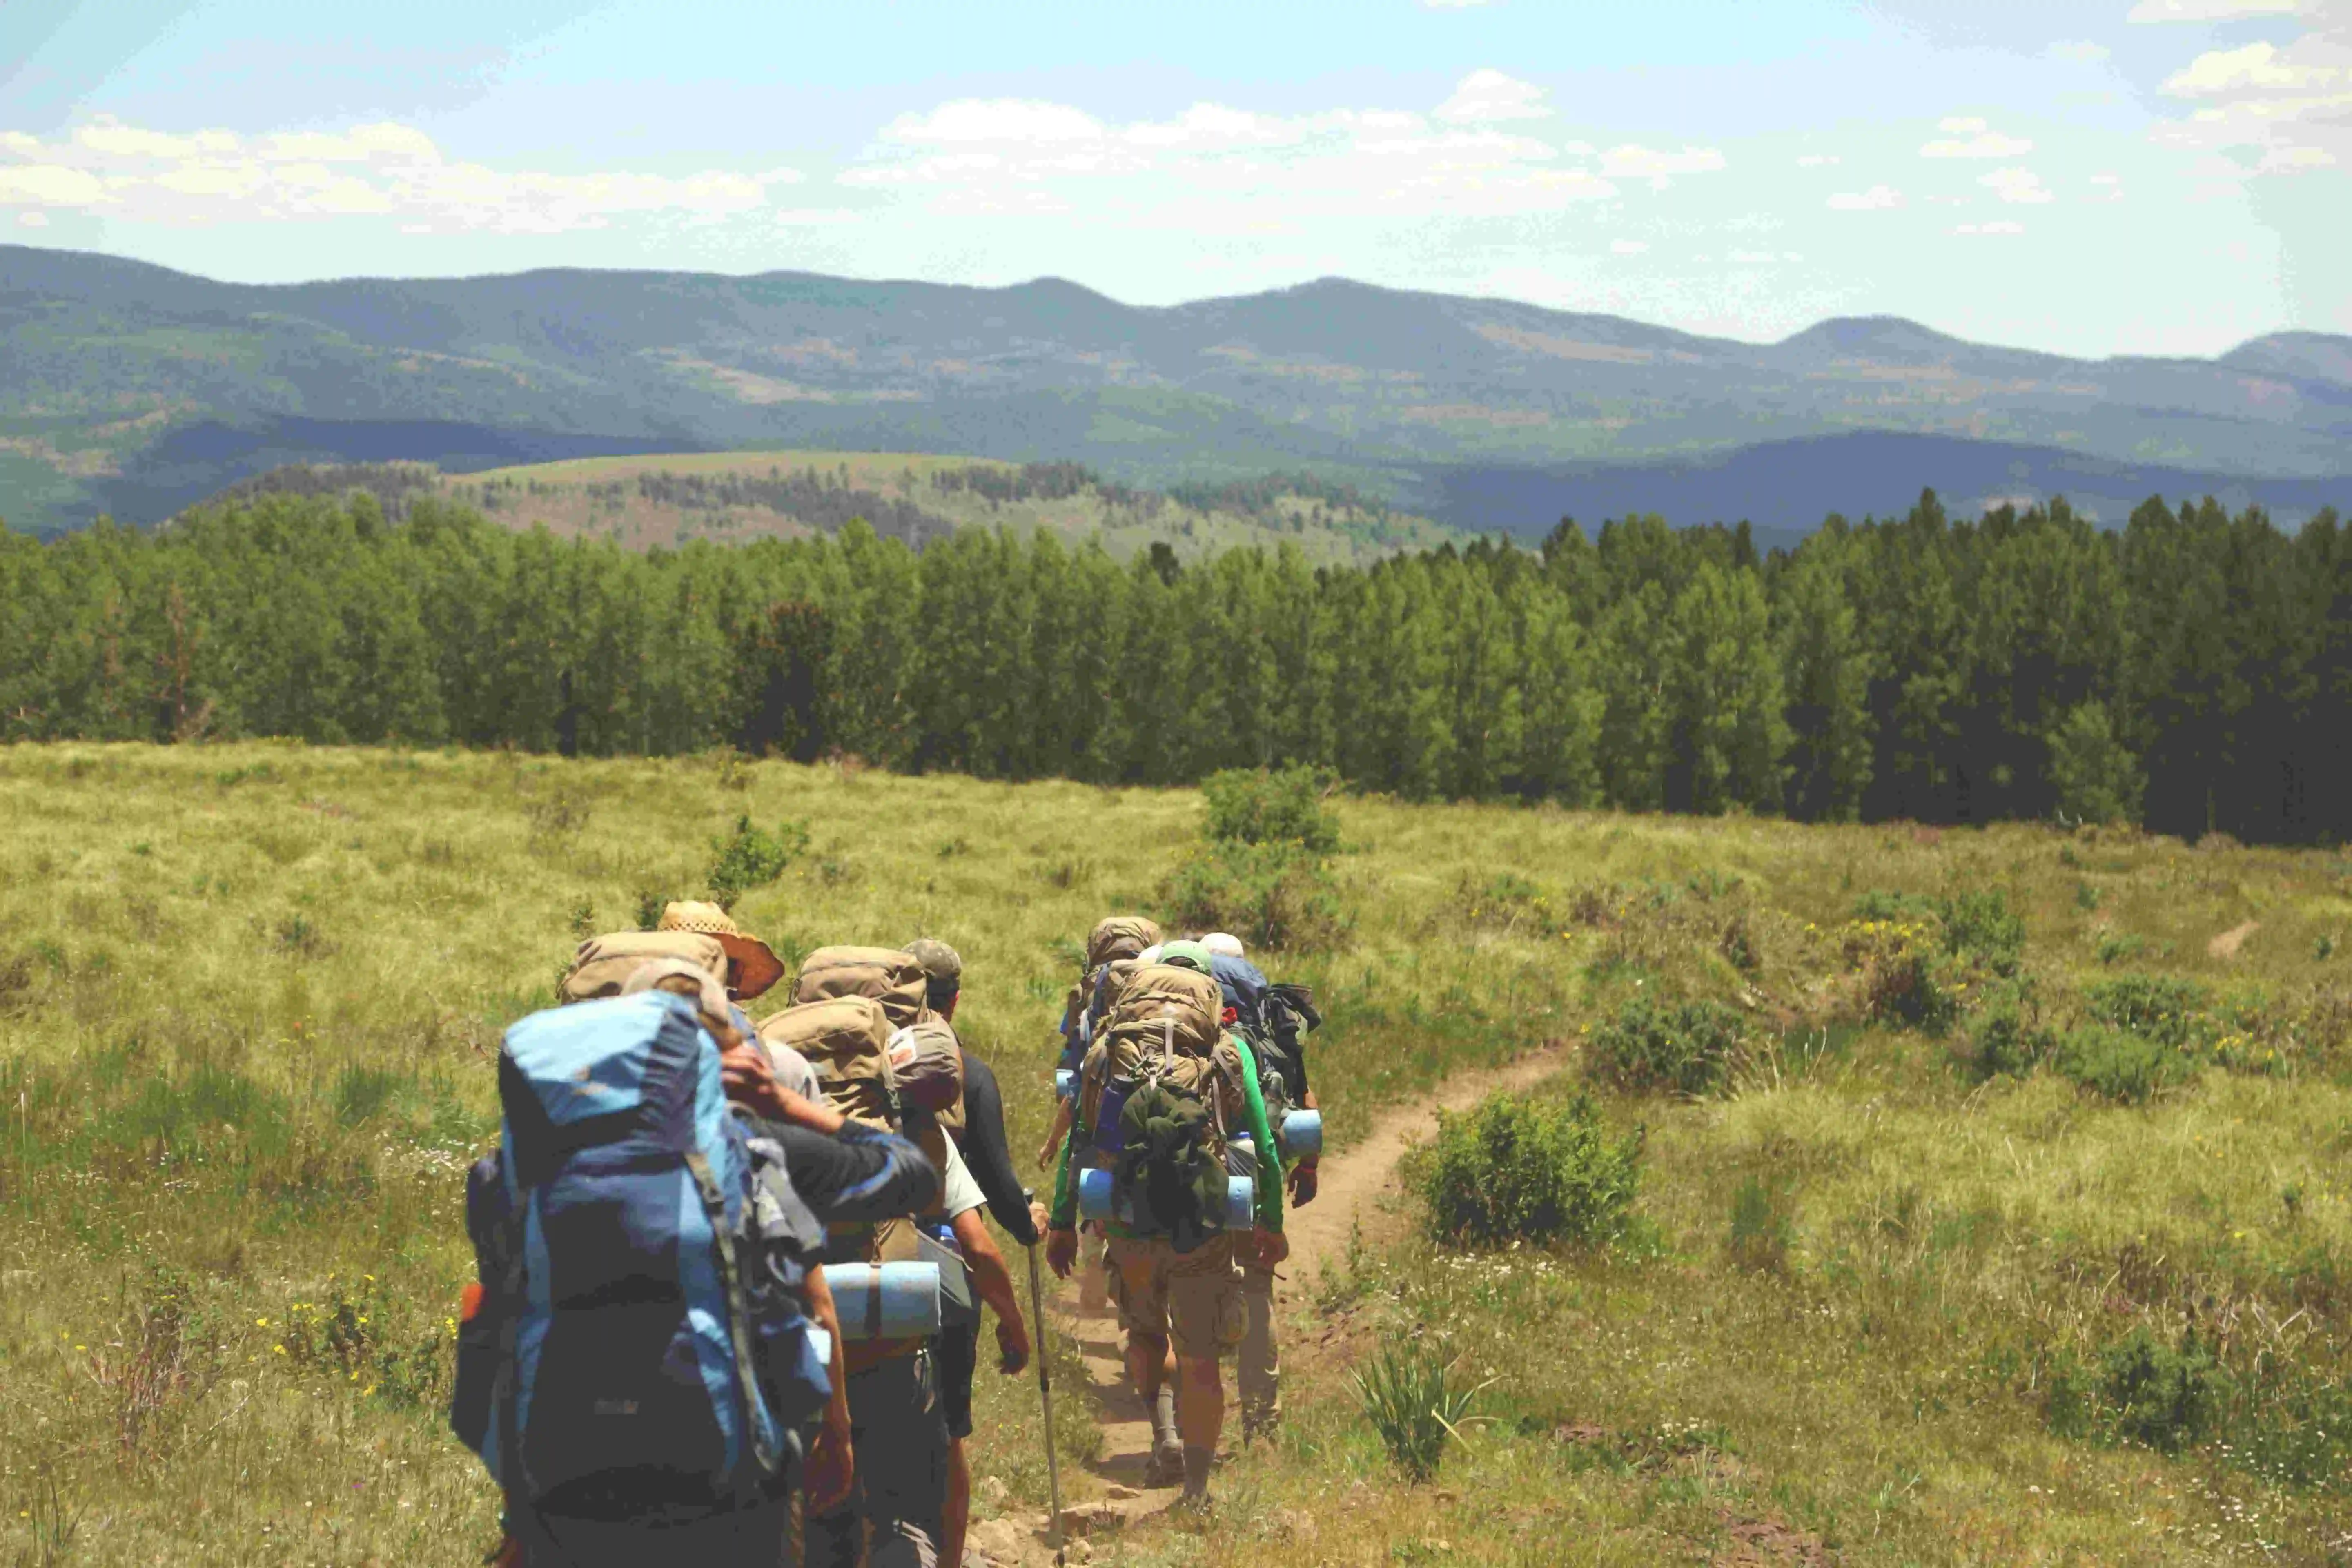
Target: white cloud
[(2266, 109), (2208, 10), (1487, 96), (1971, 138), (2003, 228), (2106, 188), (1217, 165), (33, 218), (1878, 198), (2080, 51), (1818, 161), (387, 170), (1627, 247), (2018, 186), (1636, 163), (1752, 257)]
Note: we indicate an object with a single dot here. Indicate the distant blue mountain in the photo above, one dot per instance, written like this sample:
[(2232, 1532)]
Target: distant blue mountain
[(129, 388)]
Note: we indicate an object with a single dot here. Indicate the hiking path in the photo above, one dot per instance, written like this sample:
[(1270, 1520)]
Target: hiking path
[(1355, 1192)]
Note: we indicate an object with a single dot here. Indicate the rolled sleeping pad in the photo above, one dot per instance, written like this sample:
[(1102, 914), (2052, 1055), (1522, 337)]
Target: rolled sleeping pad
[(885, 1301), (1302, 1134), (1240, 1199), (1065, 1084)]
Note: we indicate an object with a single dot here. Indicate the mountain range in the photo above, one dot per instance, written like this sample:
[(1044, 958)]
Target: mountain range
[(132, 390)]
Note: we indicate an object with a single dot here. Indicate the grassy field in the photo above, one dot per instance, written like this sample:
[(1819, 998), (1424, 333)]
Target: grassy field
[(601, 497), (1869, 1306)]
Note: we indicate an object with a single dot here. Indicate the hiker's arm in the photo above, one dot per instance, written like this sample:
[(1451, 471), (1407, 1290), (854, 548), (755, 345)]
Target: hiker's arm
[(1049, 1152), (857, 1176), (995, 1283), (1062, 1237), (832, 1466), (990, 1155)]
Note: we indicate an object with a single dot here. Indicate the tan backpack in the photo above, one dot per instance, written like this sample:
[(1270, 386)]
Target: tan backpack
[(604, 964), (847, 1041), (1166, 1025), (926, 1065), (893, 978), (1120, 936)]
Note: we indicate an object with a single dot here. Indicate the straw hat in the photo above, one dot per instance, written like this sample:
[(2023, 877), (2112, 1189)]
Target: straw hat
[(753, 965)]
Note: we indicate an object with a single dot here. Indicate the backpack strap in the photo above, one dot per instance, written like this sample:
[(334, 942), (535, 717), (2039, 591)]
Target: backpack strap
[(738, 1313)]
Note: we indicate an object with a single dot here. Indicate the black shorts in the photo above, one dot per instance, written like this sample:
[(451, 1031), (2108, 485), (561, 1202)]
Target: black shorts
[(958, 1353)]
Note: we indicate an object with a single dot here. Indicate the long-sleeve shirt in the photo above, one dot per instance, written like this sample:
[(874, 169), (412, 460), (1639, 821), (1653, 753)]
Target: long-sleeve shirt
[(1267, 1199), (990, 1155), (858, 1176)]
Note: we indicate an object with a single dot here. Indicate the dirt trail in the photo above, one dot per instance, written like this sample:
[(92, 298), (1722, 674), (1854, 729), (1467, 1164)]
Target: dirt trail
[(2227, 944), (1354, 1190)]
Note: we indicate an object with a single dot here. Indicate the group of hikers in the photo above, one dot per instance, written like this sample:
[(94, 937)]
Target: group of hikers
[(729, 1274)]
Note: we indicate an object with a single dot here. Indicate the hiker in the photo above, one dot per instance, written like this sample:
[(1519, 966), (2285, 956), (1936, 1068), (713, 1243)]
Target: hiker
[(988, 1156), (861, 1019), (569, 1354), (1162, 1088), (1112, 948), (1267, 1017)]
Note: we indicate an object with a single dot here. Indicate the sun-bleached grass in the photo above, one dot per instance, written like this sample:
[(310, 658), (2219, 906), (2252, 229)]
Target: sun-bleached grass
[(249, 998)]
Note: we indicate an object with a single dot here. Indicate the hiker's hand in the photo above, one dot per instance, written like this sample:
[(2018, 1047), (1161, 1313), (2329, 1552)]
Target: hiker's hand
[(1273, 1246), (1012, 1346), (814, 1115), (1302, 1184), (832, 1468), (1037, 1217), (1048, 1152), (507, 1555), (1061, 1252)]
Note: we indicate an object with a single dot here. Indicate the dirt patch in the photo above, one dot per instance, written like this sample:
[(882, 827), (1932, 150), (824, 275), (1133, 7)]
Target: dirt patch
[(1755, 1540), (2227, 944)]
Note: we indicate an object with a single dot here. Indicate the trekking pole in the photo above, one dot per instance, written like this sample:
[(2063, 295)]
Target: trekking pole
[(1046, 1393)]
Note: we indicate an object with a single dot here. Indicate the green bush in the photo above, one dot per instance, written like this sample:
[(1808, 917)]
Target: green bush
[(752, 857), (1516, 1170), (1978, 928), (2166, 1008), (1409, 1395), (1760, 1230), (1269, 895), (1688, 1047), (2007, 1037), (1252, 806), (2164, 1396), (2118, 1064)]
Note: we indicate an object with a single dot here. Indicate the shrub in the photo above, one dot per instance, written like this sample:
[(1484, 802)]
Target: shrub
[(1252, 806), (1903, 978), (1410, 1398), (2160, 1395), (752, 857), (1983, 929), (1269, 895), (1513, 1170), (1688, 1047), (2122, 1066), (2166, 1008), (2006, 1036)]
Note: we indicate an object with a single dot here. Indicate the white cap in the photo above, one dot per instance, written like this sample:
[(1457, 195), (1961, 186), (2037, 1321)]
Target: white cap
[(1148, 956), (1222, 945)]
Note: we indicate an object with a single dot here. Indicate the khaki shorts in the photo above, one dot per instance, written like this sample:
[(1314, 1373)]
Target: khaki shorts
[(1194, 1299)]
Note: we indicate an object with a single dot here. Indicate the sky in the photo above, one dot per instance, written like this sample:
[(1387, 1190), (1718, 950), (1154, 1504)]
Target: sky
[(2085, 176)]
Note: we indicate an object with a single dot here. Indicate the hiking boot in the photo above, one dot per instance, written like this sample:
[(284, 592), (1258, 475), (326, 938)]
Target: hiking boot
[(1166, 1466)]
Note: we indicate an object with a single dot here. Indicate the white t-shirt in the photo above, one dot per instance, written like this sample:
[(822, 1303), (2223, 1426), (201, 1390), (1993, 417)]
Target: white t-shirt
[(958, 1193)]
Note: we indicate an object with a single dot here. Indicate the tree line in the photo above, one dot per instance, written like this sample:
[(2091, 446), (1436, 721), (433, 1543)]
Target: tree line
[(2191, 671)]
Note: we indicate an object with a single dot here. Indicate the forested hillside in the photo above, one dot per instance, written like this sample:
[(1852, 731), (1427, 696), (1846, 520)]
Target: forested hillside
[(2194, 671)]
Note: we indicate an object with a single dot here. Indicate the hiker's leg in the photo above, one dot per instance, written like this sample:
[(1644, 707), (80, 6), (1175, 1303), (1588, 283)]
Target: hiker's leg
[(955, 1517), (1261, 1357), (903, 1468), (959, 1351), (1094, 1278), (1140, 1274), (1207, 1319)]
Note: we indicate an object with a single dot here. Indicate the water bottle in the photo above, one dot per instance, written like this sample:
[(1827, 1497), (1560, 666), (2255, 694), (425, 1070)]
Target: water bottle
[(885, 1301), (1065, 1084), (1302, 1134)]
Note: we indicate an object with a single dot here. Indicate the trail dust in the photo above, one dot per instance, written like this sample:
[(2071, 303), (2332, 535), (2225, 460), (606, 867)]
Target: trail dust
[(1352, 1199), (2227, 944)]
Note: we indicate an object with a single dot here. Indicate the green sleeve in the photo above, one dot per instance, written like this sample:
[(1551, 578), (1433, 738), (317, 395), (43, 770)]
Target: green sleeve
[(1064, 1213), (1269, 1153)]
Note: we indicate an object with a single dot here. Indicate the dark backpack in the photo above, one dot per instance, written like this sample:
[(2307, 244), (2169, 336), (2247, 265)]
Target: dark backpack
[(638, 1346)]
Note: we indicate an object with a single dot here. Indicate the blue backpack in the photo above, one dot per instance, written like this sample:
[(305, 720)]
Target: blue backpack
[(638, 1345)]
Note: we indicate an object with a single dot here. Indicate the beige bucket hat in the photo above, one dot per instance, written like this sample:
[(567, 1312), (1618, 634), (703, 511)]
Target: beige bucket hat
[(752, 964)]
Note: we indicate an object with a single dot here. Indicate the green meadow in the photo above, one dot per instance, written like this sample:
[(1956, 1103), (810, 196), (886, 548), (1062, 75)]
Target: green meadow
[(1994, 1201)]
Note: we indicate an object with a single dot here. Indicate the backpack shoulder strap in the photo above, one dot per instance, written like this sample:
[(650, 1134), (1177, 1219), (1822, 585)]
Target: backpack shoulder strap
[(738, 1311)]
